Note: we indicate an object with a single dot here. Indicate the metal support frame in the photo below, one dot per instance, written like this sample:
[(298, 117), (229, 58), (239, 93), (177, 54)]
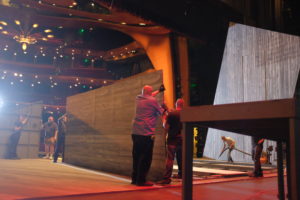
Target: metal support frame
[(187, 173)]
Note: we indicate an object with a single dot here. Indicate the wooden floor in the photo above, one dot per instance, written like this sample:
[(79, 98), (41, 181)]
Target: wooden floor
[(42, 179)]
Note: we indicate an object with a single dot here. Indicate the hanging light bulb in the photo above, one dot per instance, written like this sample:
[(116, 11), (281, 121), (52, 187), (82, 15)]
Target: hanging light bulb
[(17, 22), (3, 23), (24, 46)]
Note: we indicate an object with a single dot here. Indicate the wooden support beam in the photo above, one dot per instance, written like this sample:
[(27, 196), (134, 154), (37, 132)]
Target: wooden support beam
[(187, 164), (280, 171), (184, 68), (294, 160)]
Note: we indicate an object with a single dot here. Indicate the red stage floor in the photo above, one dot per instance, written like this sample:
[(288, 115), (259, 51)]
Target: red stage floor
[(258, 189), (41, 179)]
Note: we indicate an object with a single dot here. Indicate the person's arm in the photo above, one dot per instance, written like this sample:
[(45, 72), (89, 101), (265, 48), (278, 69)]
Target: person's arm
[(166, 128), (25, 121), (155, 93), (165, 109), (161, 89), (158, 109), (17, 128), (56, 133), (224, 144)]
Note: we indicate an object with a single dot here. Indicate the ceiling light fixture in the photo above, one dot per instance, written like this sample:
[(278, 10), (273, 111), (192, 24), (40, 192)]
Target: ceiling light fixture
[(3, 23), (24, 35)]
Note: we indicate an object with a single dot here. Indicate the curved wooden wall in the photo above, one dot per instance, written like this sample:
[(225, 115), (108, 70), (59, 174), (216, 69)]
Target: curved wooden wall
[(99, 130)]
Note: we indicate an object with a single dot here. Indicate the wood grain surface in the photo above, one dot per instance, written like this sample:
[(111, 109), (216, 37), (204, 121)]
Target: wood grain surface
[(28, 146), (99, 130), (257, 65)]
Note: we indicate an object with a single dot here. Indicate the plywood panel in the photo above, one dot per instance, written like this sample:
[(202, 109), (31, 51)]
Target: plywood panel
[(257, 65), (99, 130), (29, 141)]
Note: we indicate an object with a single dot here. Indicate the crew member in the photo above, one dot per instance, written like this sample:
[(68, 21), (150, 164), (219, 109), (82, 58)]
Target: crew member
[(15, 137), (148, 111), (50, 129), (173, 128), (229, 144), (60, 137), (257, 147)]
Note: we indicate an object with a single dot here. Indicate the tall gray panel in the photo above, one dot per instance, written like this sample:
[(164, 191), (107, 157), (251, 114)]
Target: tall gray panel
[(257, 65)]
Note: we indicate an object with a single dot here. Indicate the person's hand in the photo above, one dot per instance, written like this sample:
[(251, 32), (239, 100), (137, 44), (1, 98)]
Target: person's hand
[(164, 106), (162, 88)]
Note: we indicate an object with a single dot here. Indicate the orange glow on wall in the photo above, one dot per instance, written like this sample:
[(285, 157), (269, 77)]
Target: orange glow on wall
[(158, 49)]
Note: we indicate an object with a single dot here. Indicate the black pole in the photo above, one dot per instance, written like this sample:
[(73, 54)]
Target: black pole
[(187, 175), (280, 171)]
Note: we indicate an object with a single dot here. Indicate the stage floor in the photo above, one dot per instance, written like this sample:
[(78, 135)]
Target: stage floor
[(42, 179)]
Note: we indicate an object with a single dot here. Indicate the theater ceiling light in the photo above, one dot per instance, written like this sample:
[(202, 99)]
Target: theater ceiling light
[(24, 34)]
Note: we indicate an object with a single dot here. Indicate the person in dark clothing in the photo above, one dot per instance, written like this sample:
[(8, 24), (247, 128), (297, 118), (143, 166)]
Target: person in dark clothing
[(15, 137), (173, 128), (50, 129), (60, 137), (257, 147), (148, 111)]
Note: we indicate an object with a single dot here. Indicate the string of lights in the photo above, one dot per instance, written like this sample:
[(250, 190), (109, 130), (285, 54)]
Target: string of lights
[(52, 81)]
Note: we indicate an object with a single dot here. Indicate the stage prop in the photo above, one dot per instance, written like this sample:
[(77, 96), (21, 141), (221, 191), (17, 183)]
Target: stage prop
[(257, 65), (28, 146), (100, 124), (260, 69)]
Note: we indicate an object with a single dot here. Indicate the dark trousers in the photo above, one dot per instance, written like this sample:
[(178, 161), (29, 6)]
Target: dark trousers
[(59, 147), (229, 158), (12, 145), (256, 154), (142, 157), (173, 149)]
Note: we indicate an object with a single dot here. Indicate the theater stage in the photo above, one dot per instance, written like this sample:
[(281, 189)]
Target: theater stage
[(42, 179)]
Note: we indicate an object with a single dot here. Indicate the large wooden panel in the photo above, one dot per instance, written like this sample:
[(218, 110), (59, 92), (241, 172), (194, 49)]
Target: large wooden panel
[(28, 146), (99, 130), (257, 65)]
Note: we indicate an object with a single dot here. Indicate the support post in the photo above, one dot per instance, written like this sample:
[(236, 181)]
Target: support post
[(187, 175), (280, 171), (294, 159), (184, 69)]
